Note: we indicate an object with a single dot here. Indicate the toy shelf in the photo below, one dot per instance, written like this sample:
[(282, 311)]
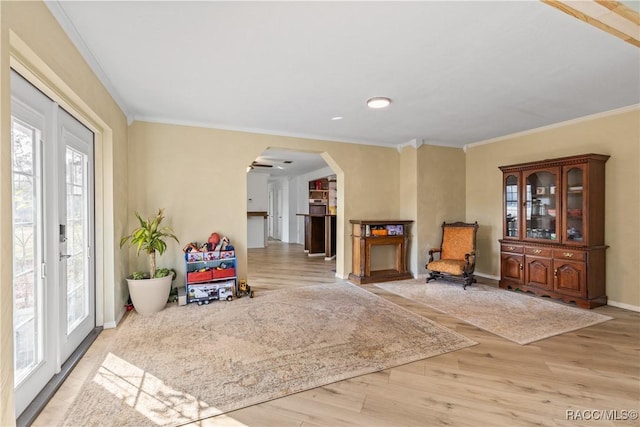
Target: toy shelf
[(210, 276)]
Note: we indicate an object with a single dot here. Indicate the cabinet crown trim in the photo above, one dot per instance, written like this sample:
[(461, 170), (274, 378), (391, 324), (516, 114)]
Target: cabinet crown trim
[(560, 161)]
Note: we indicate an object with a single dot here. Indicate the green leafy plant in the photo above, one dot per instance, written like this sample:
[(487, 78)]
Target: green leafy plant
[(150, 237), (164, 272)]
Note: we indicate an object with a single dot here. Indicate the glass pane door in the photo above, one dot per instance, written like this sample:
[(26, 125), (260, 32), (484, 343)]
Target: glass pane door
[(77, 304), (77, 273), (34, 355), (574, 205), (27, 249), (541, 204), (512, 206), (53, 268)]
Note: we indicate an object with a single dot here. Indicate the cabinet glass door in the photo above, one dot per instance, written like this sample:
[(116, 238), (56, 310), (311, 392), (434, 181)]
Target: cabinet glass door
[(574, 219), (511, 206), (540, 194)]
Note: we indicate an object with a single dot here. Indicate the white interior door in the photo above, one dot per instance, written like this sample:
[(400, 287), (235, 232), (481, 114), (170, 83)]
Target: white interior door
[(53, 267), (278, 231), (270, 214)]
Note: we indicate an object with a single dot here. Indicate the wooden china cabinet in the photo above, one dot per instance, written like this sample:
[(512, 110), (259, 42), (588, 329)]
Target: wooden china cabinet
[(553, 229)]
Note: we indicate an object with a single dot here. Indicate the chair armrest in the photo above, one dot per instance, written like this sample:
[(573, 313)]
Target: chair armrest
[(431, 252), (470, 265)]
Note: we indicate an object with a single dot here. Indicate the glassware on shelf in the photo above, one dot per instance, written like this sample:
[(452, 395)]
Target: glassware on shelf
[(544, 209), (535, 209)]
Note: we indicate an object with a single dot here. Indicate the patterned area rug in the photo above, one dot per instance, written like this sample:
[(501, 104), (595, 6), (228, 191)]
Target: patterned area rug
[(515, 316), (192, 362)]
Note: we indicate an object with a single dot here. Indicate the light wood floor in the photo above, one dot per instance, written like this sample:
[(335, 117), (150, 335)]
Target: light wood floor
[(495, 383)]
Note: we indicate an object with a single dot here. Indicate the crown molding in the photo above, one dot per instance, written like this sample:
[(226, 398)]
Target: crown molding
[(415, 143), (206, 125), (61, 16), (634, 107)]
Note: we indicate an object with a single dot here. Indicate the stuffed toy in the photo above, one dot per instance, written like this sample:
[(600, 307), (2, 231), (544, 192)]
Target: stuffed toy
[(224, 243), (190, 247), (214, 239)]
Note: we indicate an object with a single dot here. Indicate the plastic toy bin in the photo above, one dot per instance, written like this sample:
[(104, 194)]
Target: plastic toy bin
[(200, 276), (227, 272)]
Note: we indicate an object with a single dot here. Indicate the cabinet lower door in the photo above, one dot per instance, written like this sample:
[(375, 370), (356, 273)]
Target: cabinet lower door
[(512, 267), (538, 272), (570, 278)]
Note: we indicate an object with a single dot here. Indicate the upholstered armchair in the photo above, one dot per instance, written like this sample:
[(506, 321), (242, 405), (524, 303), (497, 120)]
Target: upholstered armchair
[(456, 255)]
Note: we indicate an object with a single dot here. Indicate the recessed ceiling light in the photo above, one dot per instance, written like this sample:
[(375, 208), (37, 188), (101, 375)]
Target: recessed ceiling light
[(337, 118), (378, 102)]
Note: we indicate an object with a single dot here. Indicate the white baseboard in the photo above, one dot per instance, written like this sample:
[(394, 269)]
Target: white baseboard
[(624, 305), (111, 325), (487, 276)]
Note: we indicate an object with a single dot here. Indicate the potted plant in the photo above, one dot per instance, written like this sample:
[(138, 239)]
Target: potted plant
[(149, 291)]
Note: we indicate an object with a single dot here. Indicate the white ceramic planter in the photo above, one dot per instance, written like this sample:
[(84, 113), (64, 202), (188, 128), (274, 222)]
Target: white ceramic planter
[(149, 296)]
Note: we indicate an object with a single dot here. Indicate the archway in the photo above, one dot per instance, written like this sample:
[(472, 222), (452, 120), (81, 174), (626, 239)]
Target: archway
[(278, 191)]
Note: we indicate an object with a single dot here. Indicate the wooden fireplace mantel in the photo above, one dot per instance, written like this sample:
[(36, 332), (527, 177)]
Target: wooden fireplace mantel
[(369, 233)]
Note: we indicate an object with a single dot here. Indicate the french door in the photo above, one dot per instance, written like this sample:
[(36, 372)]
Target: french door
[(53, 262)]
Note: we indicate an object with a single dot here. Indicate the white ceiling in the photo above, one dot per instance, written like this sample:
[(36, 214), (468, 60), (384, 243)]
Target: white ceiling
[(286, 163), (458, 72)]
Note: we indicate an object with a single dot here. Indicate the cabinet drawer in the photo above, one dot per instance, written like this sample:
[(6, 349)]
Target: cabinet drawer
[(516, 249), (569, 254), (541, 252)]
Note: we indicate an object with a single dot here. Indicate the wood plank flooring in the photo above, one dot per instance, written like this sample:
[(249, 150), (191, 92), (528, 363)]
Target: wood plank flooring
[(496, 383)]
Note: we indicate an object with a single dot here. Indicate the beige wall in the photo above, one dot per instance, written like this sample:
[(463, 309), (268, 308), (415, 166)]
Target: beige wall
[(408, 190), (32, 41), (617, 135), (440, 197), (199, 176), (432, 182)]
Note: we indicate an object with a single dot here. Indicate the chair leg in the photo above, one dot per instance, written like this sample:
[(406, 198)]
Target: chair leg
[(468, 280)]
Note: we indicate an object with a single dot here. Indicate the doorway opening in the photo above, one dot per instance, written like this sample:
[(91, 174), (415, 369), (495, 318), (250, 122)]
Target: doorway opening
[(284, 211)]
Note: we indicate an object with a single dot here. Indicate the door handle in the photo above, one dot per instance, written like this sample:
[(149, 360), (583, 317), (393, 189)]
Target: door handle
[(64, 256)]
